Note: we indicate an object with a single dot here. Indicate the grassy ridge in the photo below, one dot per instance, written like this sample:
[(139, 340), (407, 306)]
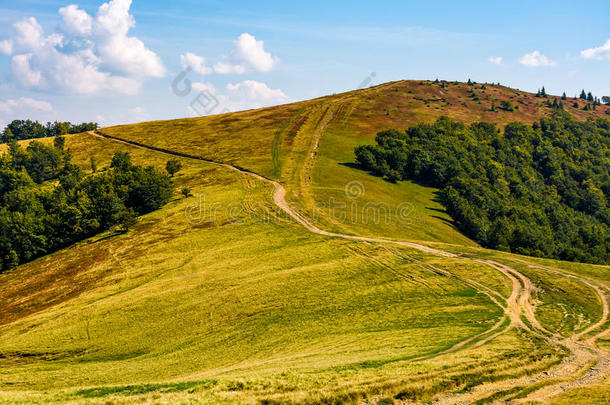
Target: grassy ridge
[(219, 298), (323, 305)]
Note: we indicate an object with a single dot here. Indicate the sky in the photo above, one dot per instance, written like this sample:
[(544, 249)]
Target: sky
[(126, 61)]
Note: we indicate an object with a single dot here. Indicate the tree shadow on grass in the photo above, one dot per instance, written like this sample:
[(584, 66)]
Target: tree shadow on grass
[(356, 166)]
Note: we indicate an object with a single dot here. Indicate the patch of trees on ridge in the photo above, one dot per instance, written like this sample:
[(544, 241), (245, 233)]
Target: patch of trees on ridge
[(541, 190), (35, 220), (27, 129)]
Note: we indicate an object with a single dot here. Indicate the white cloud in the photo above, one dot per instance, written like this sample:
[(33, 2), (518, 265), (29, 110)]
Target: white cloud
[(9, 106), (536, 59), (248, 54), (195, 62), (75, 20), (240, 96), (6, 47), (253, 53), (225, 68), (117, 50), (252, 94), (93, 55), (497, 60), (24, 107), (28, 34), (601, 52), (204, 87), (23, 73)]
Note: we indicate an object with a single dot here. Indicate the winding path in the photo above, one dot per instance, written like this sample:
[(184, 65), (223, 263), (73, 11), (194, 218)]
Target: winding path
[(567, 375)]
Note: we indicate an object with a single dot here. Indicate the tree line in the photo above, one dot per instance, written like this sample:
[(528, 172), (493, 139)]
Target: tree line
[(72, 205), (540, 190), (27, 129)]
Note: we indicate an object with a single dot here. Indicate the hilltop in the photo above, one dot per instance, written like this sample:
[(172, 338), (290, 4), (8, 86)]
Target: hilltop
[(285, 143), (291, 276)]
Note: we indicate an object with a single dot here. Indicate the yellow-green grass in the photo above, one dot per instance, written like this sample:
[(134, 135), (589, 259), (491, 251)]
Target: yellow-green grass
[(242, 305), (591, 395), (219, 298), (360, 115), (277, 142), (566, 301), (242, 138), (239, 294)]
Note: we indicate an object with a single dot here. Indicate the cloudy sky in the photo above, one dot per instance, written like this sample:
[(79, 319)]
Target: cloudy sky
[(128, 61)]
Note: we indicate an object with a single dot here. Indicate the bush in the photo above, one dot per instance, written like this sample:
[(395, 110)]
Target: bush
[(173, 166), (507, 105)]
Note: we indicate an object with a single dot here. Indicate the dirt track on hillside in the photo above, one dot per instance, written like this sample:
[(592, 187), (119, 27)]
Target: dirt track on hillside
[(586, 363)]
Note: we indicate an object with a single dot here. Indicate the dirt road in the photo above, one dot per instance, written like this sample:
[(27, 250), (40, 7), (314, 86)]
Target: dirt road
[(586, 364)]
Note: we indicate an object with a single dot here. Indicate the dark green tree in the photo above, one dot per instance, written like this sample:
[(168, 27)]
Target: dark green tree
[(11, 260), (59, 142), (173, 166), (121, 161)]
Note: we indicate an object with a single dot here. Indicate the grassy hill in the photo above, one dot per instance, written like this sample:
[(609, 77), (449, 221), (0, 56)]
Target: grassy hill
[(224, 297)]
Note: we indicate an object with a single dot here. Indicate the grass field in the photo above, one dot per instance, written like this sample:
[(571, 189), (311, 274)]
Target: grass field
[(224, 298)]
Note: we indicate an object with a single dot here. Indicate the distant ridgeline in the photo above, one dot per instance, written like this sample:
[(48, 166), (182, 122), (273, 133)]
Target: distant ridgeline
[(27, 129), (540, 190), (72, 205)]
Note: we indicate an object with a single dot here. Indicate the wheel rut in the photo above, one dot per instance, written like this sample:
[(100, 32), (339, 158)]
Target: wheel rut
[(586, 364)]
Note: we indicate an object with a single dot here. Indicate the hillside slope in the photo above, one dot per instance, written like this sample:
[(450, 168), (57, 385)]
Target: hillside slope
[(227, 297), (308, 146)]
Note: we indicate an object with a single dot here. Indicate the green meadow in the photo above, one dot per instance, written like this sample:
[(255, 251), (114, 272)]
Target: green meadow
[(222, 297)]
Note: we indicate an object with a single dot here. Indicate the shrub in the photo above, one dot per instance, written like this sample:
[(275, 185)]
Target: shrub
[(173, 166)]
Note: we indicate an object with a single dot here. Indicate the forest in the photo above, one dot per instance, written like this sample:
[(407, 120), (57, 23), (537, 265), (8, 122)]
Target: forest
[(540, 190), (47, 202), (27, 129)]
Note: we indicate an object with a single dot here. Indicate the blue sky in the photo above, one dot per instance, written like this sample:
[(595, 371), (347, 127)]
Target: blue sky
[(116, 63)]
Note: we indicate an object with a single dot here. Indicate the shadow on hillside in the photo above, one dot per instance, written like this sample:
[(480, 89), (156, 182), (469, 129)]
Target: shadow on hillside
[(442, 211), (356, 166), (436, 199)]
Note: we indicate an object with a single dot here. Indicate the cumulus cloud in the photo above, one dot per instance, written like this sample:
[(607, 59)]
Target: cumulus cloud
[(90, 54), (196, 63), (202, 87), (225, 68), (119, 51), (245, 95), (252, 94), (26, 76), (75, 20), (599, 53), (536, 59), (23, 107), (6, 47), (10, 106), (248, 54), (497, 60)]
